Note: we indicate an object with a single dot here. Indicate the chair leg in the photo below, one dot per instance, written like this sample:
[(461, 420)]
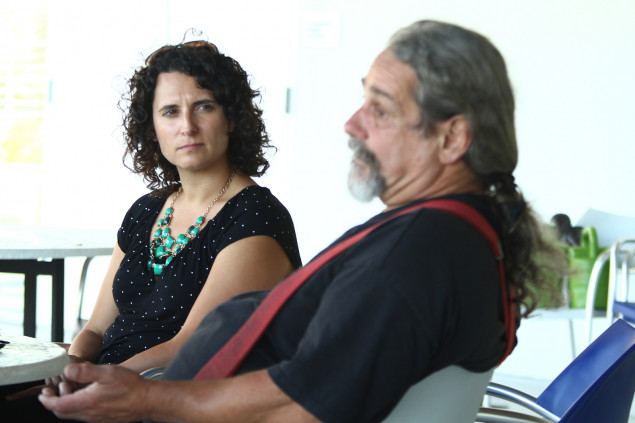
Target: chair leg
[(82, 287)]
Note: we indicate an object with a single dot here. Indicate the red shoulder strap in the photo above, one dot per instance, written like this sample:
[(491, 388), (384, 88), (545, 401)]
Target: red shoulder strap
[(227, 360), (474, 218)]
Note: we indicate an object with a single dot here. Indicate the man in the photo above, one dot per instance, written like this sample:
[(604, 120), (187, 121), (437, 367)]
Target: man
[(417, 294)]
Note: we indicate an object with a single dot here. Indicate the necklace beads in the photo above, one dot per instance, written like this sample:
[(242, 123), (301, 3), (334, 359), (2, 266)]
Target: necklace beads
[(163, 246)]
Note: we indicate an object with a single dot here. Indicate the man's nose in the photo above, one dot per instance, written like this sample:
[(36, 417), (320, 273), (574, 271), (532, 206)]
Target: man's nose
[(354, 126)]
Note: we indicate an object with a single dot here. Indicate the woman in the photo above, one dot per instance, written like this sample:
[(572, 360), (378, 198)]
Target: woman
[(207, 231)]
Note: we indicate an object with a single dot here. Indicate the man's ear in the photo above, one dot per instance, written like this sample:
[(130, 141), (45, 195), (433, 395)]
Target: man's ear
[(455, 138)]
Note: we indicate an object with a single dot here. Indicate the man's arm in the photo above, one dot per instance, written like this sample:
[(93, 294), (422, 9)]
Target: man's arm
[(117, 394)]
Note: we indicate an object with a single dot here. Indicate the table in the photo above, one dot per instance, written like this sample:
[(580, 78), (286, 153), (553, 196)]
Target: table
[(27, 359), (36, 250)]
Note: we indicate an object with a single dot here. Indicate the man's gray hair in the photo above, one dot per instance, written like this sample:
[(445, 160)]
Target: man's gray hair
[(461, 72)]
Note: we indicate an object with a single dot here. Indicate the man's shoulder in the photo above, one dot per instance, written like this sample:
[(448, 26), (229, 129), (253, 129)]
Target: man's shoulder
[(430, 221), (422, 238)]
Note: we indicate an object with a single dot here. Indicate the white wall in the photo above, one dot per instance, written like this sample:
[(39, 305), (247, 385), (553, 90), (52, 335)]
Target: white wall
[(571, 70), (570, 63)]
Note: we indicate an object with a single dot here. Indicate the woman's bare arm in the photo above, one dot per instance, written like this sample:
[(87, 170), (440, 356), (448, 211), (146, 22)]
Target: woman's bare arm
[(87, 343), (253, 263)]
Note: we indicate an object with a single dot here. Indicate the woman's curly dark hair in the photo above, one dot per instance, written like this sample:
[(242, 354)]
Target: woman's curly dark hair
[(213, 71)]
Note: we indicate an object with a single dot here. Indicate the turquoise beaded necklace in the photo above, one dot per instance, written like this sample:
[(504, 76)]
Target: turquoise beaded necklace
[(163, 247)]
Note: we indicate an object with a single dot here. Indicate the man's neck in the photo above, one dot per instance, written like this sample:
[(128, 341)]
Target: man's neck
[(456, 179)]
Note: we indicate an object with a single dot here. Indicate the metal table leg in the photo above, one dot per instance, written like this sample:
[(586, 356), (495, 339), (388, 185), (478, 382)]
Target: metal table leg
[(57, 309), (30, 296)]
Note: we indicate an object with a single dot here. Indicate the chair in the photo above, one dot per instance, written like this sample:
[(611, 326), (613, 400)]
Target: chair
[(598, 386), (451, 394), (81, 322), (621, 257), (618, 304), (153, 373)]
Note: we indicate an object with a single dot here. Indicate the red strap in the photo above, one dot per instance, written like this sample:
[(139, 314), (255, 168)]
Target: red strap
[(227, 360)]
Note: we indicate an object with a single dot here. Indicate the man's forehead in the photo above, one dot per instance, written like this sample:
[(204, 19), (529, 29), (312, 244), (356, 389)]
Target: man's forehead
[(378, 90), (390, 78)]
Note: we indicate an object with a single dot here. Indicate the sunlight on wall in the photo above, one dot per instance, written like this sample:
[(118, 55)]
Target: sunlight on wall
[(23, 84), (571, 79), (23, 94)]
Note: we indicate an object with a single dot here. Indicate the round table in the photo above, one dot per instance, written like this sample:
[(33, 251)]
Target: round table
[(27, 359)]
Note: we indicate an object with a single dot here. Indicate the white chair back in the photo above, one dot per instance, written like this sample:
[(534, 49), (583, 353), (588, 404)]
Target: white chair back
[(452, 394)]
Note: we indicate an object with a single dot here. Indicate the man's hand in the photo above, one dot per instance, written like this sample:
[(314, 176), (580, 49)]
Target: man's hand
[(117, 394), (112, 394)]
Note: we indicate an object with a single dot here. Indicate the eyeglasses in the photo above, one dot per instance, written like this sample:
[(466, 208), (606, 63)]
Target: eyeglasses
[(195, 44)]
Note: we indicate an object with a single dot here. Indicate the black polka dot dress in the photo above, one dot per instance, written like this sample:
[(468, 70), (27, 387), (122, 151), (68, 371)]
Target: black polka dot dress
[(153, 309)]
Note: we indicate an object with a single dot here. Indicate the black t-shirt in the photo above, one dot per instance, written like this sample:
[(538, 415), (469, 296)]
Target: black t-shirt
[(417, 294), (152, 310)]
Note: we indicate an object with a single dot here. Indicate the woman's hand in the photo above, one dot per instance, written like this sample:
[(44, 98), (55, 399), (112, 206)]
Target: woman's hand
[(54, 382)]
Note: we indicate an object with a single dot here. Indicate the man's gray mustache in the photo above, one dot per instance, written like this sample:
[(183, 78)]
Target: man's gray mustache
[(360, 151)]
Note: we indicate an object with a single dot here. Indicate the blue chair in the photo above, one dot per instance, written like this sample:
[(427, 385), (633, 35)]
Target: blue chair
[(625, 310), (597, 387)]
